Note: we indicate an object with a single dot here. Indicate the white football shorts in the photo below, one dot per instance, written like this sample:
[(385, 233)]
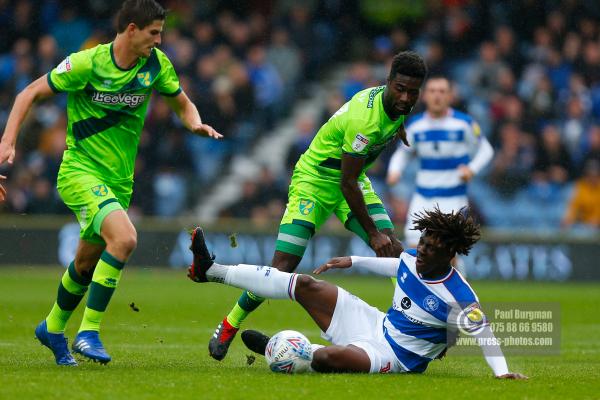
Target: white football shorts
[(357, 323)]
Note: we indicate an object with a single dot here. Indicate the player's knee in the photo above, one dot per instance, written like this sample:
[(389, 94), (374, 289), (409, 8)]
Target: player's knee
[(285, 262), (328, 359), (124, 244), (129, 242), (306, 284)]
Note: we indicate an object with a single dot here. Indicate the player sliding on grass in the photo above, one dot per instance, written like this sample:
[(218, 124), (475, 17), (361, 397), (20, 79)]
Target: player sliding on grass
[(330, 179), (431, 301), (109, 88)]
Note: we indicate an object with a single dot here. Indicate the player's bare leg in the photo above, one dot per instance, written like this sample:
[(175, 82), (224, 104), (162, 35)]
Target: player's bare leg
[(119, 234), (87, 257), (285, 262), (318, 298), (219, 343), (121, 239)]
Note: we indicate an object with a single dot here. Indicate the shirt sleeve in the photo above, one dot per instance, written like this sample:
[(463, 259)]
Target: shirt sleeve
[(358, 138), (167, 82), (473, 133), (492, 352), (385, 266), (72, 74)]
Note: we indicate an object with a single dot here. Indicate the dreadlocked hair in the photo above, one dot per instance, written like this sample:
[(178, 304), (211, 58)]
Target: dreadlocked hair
[(457, 230)]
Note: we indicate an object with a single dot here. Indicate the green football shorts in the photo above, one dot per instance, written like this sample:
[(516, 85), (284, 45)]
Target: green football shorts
[(92, 199), (312, 201)]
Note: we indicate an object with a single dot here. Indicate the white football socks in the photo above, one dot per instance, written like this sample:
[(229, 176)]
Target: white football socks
[(264, 281)]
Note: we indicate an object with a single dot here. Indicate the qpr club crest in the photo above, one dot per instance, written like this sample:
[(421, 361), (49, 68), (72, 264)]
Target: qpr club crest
[(431, 303)]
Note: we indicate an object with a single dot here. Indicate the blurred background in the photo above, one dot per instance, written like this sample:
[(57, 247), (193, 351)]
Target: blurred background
[(267, 74)]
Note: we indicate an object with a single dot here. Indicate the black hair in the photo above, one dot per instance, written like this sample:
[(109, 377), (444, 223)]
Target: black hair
[(457, 230), (408, 63), (140, 12)]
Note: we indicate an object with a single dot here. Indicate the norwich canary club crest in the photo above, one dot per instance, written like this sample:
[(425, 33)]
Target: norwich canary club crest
[(100, 190), (144, 78), (306, 206)]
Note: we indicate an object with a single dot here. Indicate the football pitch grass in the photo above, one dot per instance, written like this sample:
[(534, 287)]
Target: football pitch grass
[(160, 351)]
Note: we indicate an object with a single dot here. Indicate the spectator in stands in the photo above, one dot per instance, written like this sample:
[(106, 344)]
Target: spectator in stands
[(584, 207), (305, 132), (286, 59), (511, 168), (529, 74), (508, 52), (359, 77), (553, 162), (486, 71), (267, 84), (574, 125), (592, 151)]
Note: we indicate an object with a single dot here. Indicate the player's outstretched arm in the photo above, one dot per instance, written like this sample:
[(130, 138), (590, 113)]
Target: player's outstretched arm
[(188, 114), (493, 354), (386, 266), (36, 90)]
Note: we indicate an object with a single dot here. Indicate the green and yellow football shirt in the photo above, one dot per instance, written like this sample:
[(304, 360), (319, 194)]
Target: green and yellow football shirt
[(106, 108), (360, 128)]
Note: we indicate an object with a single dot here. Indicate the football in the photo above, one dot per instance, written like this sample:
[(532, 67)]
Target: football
[(289, 352)]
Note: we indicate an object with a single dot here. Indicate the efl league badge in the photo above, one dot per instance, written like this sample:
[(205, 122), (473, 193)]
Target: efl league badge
[(359, 143)]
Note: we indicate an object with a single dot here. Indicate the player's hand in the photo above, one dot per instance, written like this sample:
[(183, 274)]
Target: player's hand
[(2, 189), (511, 375), (7, 153), (466, 173), (381, 245), (206, 130), (336, 262)]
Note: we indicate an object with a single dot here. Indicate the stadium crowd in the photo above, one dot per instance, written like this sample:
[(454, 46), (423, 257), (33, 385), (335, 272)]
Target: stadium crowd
[(527, 71)]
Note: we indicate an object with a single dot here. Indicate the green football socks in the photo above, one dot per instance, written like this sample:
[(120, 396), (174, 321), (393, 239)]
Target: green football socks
[(71, 290), (247, 303), (104, 282)]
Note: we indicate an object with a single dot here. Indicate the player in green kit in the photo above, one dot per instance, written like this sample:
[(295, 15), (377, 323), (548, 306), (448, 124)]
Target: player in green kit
[(330, 179), (109, 88)]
